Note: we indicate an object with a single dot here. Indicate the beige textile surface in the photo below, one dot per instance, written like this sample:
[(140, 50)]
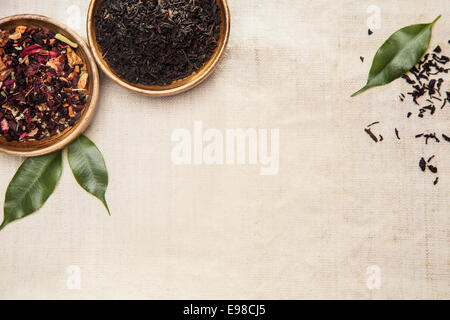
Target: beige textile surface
[(340, 207)]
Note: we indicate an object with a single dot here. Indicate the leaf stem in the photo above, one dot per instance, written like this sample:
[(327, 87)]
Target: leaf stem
[(435, 20)]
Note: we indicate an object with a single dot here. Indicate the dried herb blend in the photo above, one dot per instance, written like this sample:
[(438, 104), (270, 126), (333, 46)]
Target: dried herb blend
[(42, 84), (155, 42)]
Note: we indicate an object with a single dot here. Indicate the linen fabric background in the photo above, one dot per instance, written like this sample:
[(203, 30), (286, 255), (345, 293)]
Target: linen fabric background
[(340, 207)]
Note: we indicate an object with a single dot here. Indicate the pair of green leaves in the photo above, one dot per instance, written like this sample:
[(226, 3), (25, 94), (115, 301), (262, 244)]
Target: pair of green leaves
[(36, 179), (399, 54)]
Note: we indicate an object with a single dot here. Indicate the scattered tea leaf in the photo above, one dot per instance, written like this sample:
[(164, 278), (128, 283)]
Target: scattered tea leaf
[(33, 183), (398, 54), (88, 167), (422, 164)]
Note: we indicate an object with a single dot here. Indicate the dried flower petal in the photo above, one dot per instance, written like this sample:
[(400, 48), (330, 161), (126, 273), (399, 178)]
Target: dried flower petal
[(33, 132), (73, 58), (71, 113), (2, 65), (5, 74), (15, 36), (53, 54), (83, 80), (21, 29), (55, 63), (28, 50), (5, 126)]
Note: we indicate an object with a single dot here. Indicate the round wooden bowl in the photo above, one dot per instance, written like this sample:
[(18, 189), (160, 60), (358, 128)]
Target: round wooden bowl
[(177, 86), (51, 144)]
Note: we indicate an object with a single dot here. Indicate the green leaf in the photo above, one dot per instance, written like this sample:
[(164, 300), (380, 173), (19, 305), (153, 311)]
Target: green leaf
[(31, 186), (88, 167), (399, 54)]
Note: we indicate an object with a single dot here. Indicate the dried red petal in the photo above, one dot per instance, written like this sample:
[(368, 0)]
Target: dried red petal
[(31, 70), (8, 82), (33, 49), (5, 74), (53, 54), (5, 126)]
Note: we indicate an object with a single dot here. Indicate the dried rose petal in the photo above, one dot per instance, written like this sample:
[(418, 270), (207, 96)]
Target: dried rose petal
[(9, 82), (5, 126), (31, 70), (42, 59), (53, 54), (30, 52)]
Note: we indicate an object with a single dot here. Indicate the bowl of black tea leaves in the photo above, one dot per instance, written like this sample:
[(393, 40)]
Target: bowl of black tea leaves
[(158, 47)]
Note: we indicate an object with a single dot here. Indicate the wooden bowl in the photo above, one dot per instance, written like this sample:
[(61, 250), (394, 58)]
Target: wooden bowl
[(177, 86), (53, 143)]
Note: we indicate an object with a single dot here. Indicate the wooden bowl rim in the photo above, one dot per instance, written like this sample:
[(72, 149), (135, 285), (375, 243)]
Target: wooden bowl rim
[(83, 123), (163, 92)]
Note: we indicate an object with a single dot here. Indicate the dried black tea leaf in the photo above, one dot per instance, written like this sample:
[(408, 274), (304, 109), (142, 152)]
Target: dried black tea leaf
[(155, 42), (422, 164), (436, 181)]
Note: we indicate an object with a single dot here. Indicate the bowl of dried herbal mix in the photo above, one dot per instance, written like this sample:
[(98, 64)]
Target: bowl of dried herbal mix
[(158, 47), (49, 85)]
